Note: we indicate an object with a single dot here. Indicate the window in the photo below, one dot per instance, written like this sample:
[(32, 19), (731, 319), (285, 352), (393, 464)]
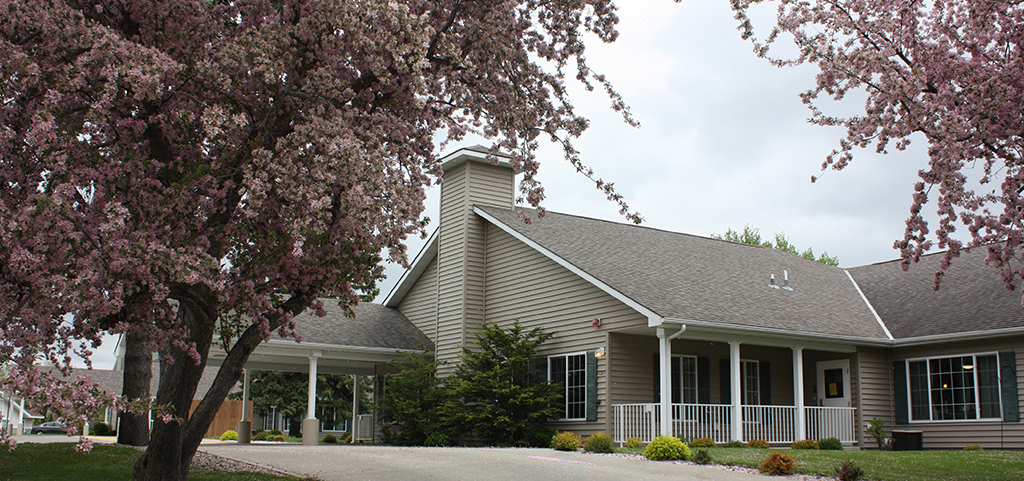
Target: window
[(751, 382), (571, 371), (688, 379), (954, 388)]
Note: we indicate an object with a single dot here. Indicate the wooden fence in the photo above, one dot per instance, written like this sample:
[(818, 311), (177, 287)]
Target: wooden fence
[(227, 417)]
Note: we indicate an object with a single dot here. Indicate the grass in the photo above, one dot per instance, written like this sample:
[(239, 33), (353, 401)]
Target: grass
[(990, 465), (59, 461)]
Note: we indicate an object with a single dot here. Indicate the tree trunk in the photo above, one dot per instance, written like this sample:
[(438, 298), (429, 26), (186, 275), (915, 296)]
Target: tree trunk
[(133, 428), (295, 428)]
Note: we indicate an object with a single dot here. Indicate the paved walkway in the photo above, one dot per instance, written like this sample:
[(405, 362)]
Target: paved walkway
[(347, 463)]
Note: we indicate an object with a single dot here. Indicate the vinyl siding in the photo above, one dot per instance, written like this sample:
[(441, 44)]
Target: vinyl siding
[(956, 434), (523, 284), (420, 304), (462, 252), (875, 390)]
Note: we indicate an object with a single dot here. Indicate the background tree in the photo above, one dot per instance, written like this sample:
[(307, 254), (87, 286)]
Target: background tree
[(947, 71), (411, 399), (752, 236), (186, 169), (286, 392), (495, 393)]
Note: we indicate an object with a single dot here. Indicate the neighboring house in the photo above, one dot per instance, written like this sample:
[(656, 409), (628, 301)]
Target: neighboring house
[(16, 418), (662, 332)]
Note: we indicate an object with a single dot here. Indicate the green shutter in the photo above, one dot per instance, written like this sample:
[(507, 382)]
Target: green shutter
[(723, 365), (765, 372), (591, 386), (899, 390), (657, 380), (1008, 386), (703, 380)]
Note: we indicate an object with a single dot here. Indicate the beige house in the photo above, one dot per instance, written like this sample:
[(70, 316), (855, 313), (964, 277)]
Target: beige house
[(659, 332)]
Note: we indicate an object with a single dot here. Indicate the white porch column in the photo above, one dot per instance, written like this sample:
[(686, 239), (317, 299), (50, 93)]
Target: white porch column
[(665, 371), (736, 390), (245, 424), (21, 417), (310, 425), (798, 393), (355, 408)]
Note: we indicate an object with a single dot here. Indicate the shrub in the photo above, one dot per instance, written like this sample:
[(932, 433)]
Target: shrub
[(566, 441), (666, 448), (805, 444), (229, 435), (830, 444), (329, 439), (777, 463), (758, 444), (101, 429), (702, 456), (972, 447), (733, 444), (703, 443), (437, 438), (261, 435), (279, 437), (599, 443), (540, 436), (347, 438), (634, 443), (876, 431), (275, 432), (849, 471)]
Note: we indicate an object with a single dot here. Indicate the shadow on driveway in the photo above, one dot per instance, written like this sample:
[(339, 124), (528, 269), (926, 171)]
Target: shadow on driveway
[(347, 462)]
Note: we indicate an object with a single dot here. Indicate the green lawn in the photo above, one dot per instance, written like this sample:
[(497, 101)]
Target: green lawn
[(59, 461), (890, 465)]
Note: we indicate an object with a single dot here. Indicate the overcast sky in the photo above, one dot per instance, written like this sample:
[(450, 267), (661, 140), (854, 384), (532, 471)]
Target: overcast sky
[(724, 142)]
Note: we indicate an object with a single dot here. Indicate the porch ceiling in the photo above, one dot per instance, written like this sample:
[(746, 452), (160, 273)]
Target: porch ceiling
[(725, 334)]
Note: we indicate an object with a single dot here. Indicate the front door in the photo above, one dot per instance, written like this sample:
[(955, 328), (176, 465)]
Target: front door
[(834, 383)]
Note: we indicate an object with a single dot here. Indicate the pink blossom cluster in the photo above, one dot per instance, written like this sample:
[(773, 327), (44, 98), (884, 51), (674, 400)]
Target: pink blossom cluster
[(947, 72)]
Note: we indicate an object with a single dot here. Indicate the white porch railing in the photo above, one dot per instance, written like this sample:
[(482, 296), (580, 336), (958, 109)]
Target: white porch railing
[(774, 424), (825, 422)]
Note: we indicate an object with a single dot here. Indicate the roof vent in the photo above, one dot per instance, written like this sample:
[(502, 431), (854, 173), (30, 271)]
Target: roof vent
[(771, 282), (785, 281)]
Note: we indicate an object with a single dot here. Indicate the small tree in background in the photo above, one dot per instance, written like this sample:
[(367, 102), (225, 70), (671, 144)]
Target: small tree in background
[(495, 393), (287, 392), (411, 399), (752, 236)]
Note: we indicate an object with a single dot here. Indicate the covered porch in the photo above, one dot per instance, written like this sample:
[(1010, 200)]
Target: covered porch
[(740, 388)]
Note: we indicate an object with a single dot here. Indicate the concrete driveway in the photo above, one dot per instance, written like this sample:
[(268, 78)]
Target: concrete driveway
[(347, 462)]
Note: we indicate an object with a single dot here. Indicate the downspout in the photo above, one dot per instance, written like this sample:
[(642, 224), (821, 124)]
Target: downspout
[(665, 358)]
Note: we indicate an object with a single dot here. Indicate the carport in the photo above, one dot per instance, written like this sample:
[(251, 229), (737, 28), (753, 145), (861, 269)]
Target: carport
[(333, 344)]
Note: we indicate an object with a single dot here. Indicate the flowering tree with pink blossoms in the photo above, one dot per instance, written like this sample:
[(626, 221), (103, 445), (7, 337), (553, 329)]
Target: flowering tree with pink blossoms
[(948, 72), (194, 173)]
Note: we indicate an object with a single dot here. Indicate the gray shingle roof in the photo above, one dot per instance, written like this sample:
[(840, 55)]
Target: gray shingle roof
[(374, 325), (971, 298), (689, 277)]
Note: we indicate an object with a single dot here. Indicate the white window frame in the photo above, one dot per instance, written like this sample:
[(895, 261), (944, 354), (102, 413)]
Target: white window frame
[(977, 396), (682, 378), (744, 390), (566, 387)]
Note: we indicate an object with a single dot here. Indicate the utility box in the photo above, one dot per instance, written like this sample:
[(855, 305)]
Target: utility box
[(907, 440)]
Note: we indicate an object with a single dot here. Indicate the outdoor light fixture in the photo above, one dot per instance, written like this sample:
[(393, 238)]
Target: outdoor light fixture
[(600, 353)]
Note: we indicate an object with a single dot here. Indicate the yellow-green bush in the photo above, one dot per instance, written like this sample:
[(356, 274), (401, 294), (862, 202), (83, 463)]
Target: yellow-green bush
[(229, 435), (703, 443), (566, 441), (634, 443), (599, 443), (666, 448), (805, 444)]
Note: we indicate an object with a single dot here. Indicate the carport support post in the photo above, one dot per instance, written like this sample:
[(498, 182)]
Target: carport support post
[(736, 391), (310, 425), (355, 408), (798, 393), (245, 425)]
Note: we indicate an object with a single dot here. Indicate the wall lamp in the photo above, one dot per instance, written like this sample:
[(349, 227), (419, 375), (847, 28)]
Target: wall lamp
[(600, 353)]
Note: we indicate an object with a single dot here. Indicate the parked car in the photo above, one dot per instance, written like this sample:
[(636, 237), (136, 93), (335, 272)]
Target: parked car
[(51, 427)]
